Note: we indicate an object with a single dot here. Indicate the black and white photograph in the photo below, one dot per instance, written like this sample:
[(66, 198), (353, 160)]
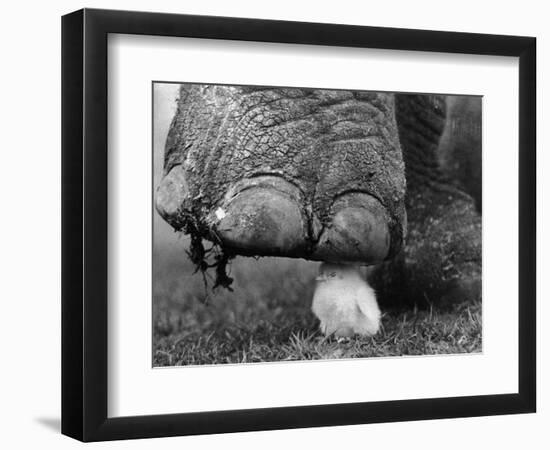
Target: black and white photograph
[(311, 224), (275, 225)]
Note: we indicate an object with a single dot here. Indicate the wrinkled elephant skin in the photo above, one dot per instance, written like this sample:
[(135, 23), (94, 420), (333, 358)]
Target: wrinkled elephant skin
[(304, 173)]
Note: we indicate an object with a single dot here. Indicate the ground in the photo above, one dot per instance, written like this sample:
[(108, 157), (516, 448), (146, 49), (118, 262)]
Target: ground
[(268, 318)]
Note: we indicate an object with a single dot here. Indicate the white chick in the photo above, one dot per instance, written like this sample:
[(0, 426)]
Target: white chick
[(344, 302)]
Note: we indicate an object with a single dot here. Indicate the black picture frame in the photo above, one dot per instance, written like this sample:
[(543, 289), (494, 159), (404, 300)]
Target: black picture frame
[(84, 224)]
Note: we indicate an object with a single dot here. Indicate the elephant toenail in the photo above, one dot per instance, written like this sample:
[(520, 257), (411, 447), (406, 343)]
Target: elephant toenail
[(358, 231), (261, 219), (171, 194)]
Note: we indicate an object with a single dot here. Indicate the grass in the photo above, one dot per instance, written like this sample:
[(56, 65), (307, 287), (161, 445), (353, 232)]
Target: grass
[(268, 318)]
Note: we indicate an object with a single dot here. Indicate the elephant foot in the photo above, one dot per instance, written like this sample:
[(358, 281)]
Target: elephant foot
[(264, 171), (440, 264), (344, 303)]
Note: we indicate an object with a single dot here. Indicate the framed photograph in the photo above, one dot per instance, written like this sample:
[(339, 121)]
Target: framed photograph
[(273, 224)]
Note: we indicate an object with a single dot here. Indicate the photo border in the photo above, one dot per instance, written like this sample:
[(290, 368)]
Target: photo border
[(84, 224)]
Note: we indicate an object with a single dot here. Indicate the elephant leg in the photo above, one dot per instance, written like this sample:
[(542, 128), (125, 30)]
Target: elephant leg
[(460, 145), (440, 263)]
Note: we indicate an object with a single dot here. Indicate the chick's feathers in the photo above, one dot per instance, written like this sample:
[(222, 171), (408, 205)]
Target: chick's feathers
[(344, 302)]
